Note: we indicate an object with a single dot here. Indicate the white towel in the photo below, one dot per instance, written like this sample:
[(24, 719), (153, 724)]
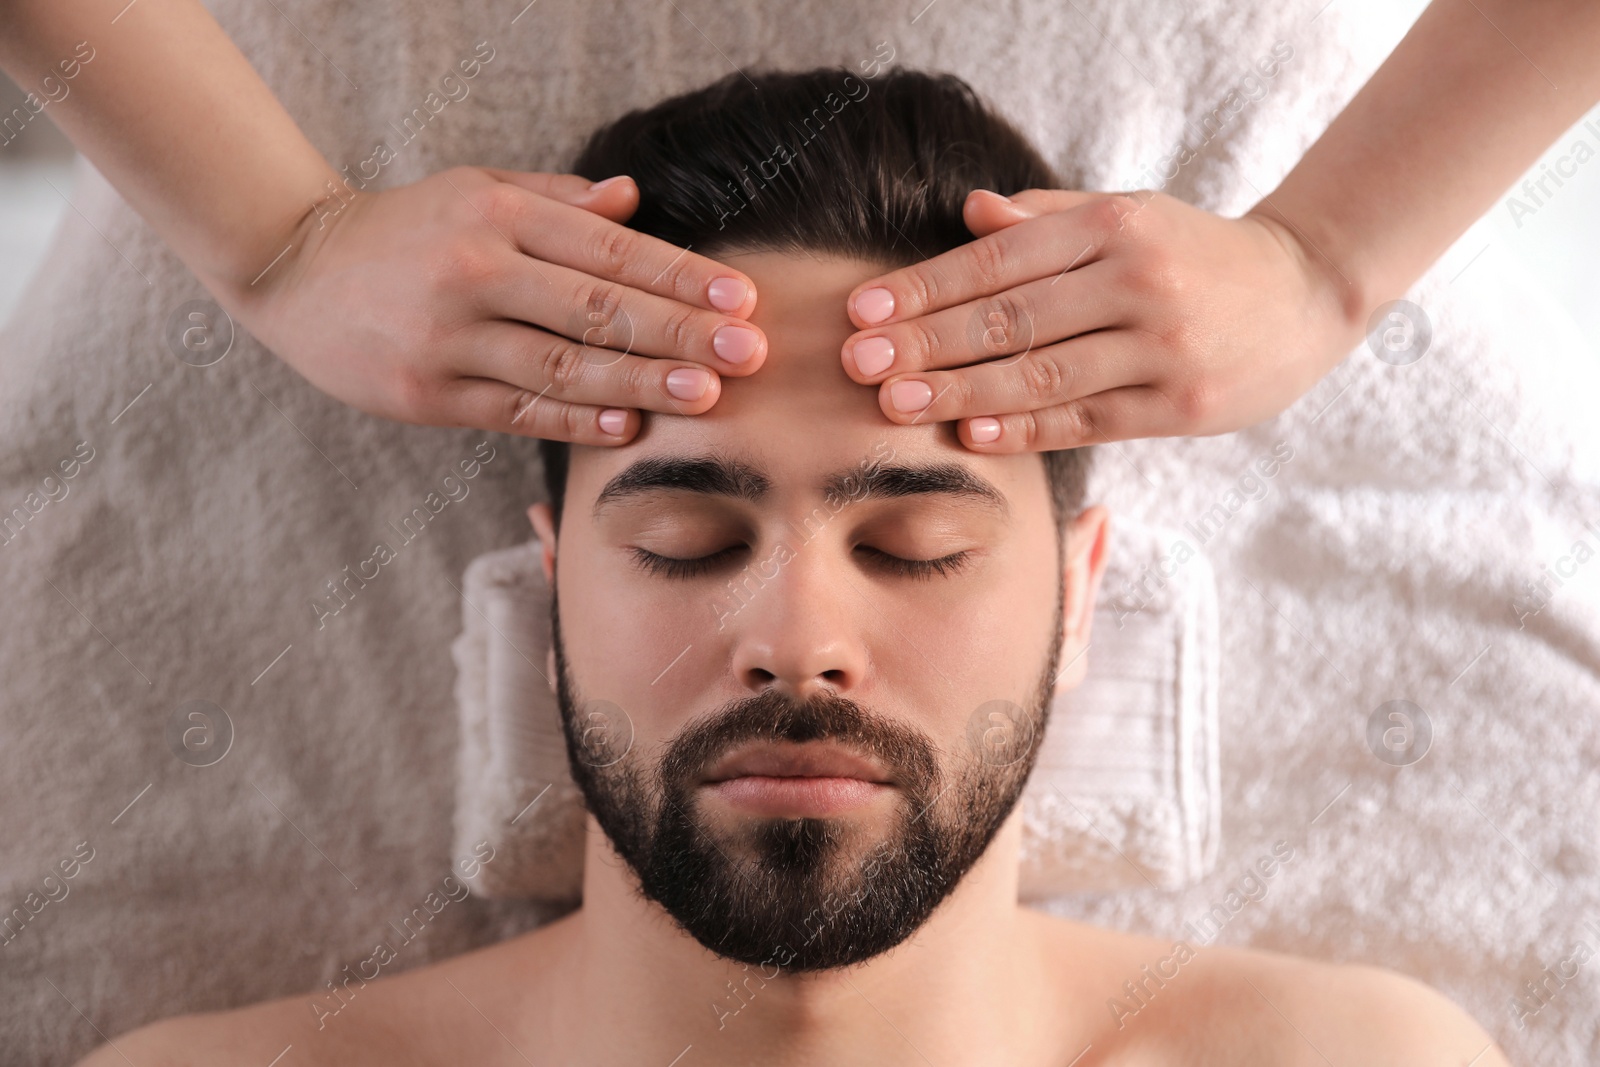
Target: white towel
[(1383, 563), (1125, 789)]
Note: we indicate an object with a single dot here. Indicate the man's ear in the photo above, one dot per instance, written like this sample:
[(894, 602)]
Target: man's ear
[(1087, 537), (544, 527)]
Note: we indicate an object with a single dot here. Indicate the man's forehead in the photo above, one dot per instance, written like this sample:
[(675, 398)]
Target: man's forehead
[(800, 397), (800, 306), (799, 424)]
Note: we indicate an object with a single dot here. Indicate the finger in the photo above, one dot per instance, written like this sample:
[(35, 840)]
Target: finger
[(602, 314), (504, 408), (1047, 244), (1047, 201), (568, 188), (1030, 316), (1115, 415), (985, 212), (563, 370), (555, 232), (1032, 381), (616, 198)]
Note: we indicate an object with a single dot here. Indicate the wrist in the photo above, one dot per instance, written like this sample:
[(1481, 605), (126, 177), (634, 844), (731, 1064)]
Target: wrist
[(1337, 287), (277, 252)]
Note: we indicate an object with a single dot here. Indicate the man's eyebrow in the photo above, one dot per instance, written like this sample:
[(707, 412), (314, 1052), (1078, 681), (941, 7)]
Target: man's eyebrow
[(721, 476)]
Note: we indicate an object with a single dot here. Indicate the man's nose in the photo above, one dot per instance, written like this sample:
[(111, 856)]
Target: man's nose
[(801, 629)]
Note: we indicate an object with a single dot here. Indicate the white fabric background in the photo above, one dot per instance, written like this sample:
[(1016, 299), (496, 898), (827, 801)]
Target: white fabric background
[(184, 562)]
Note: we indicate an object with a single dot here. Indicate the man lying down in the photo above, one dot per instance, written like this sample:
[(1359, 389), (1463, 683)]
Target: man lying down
[(808, 854)]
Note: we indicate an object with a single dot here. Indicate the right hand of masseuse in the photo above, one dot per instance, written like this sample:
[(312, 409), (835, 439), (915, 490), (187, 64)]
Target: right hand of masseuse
[(503, 300)]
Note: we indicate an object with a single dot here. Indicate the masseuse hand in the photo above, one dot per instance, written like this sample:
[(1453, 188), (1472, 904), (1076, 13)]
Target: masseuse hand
[(504, 300), (1082, 317)]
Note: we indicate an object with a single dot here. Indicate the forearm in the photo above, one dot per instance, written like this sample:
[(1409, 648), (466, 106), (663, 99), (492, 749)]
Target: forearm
[(174, 116), (1467, 102)]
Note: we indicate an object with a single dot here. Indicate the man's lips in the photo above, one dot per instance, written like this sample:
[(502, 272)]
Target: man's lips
[(812, 759), (796, 797)]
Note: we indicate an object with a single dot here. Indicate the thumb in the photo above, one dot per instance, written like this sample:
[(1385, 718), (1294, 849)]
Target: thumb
[(1045, 201), (616, 198), (986, 211)]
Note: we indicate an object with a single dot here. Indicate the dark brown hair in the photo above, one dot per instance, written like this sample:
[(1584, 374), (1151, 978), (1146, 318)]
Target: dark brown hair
[(819, 161)]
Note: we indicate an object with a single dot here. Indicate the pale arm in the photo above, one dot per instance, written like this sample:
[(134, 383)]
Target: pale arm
[(455, 300), (1464, 105), (1138, 315), (178, 121)]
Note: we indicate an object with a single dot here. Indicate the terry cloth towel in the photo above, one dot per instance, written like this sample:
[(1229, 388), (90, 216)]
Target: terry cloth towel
[(1124, 792), (1420, 545)]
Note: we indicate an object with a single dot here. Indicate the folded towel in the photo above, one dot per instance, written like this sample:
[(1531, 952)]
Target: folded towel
[(1125, 791)]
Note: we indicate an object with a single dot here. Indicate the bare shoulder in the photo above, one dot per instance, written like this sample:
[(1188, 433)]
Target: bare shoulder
[(1151, 1002), (429, 1014), (258, 1034), (1392, 1018), (213, 1039), (1292, 1010)]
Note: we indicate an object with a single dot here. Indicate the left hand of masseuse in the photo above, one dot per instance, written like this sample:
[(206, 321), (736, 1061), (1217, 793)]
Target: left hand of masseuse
[(1084, 317)]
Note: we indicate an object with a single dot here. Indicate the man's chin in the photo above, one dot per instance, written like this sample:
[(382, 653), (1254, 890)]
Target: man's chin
[(801, 894)]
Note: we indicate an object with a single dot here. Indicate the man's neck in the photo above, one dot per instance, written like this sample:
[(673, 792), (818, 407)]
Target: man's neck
[(630, 986)]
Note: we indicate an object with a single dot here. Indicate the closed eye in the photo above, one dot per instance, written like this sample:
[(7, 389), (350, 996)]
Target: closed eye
[(672, 567), (921, 568)]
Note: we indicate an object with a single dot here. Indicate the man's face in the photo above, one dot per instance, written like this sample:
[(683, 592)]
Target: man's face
[(800, 741)]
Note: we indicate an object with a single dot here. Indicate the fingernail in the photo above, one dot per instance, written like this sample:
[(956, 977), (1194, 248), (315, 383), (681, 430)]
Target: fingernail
[(727, 294), (735, 343), (910, 396), (875, 305), (985, 429), (597, 186), (687, 383), (612, 420), (873, 355)]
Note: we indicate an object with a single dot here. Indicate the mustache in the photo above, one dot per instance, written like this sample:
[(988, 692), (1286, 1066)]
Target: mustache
[(778, 717)]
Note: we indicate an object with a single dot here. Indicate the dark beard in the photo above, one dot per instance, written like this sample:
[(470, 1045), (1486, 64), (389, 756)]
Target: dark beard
[(800, 894)]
